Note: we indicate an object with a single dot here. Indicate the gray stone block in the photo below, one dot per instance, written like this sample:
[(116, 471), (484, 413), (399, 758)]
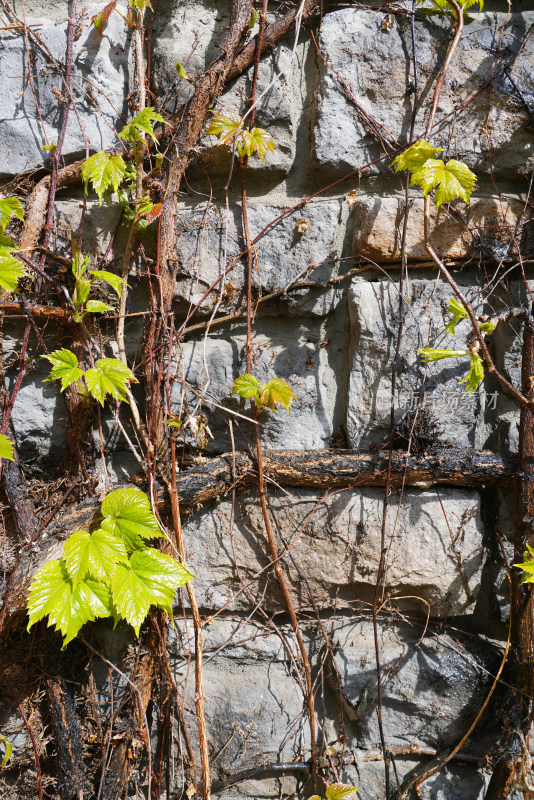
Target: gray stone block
[(373, 60), (464, 419), (336, 545), (100, 83)]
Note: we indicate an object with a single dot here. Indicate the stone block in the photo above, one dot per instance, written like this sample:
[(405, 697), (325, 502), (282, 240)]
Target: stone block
[(492, 227), (207, 370), (282, 254), (379, 75), (464, 419), (100, 84), (336, 545)]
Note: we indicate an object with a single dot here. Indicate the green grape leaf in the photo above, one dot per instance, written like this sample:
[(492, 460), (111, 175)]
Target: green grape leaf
[(64, 367), (415, 156), (68, 607), (253, 18), (96, 306), (101, 20), (6, 448), (97, 554), (174, 422), (453, 180), (246, 386), (9, 207), (151, 578), (258, 140), (226, 125), (430, 354), (278, 391), (10, 268), (105, 172), (341, 791), (487, 327), (9, 750), (115, 281), (475, 376), (181, 71), (109, 376), (128, 514), (141, 124), (458, 312)]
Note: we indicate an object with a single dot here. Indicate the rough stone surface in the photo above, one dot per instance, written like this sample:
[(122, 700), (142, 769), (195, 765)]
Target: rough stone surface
[(494, 225), (378, 79), (99, 86), (336, 545), (464, 419), (281, 256)]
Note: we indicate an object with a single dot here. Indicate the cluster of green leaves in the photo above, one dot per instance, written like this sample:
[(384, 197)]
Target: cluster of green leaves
[(228, 127), (475, 376), (445, 8), (84, 283), (108, 376), (110, 572), (451, 180), (338, 791), (10, 268), (107, 173), (267, 394), (527, 566)]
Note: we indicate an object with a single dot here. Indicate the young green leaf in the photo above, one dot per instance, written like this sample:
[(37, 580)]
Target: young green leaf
[(258, 140), (278, 391), (104, 172), (253, 18), (10, 269), (475, 376), (95, 554), (97, 306), (341, 791), (64, 367), (226, 125), (430, 354), (68, 607), (246, 386), (128, 514), (101, 20), (458, 312), (453, 179), (141, 125), (115, 281), (6, 448), (140, 4), (109, 376), (150, 578), (9, 749), (415, 156), (181, 71), (9, 207)]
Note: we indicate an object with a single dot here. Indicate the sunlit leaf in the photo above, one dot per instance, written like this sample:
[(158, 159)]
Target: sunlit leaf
[(6, 447), (115, 281), (109, 376), (9, 749), (141, 125), (458, 312), (181, 71), (225, 125), (341, 791), (10, 268), (260, 142), (246, 386), (95, 554), (150, 578), (9, 207), (97, 306), (475, 376), (68, 607), (64, 367), (101, 20), (278, 391), (128, 514), (431, 354), (104, 172), (453, 180), (253, 18), (415, 156)]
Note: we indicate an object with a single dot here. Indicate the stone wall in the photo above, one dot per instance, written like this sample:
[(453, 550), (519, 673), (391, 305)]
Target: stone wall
[(443, 625)]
